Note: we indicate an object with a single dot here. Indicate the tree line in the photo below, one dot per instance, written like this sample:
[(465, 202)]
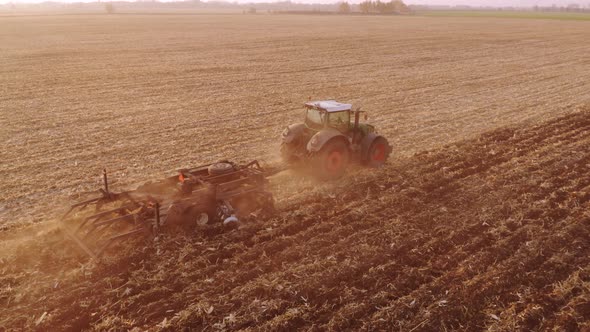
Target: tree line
[(377, 7)]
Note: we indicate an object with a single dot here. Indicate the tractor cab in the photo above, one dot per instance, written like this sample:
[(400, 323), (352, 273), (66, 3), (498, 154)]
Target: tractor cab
[(328, 114)]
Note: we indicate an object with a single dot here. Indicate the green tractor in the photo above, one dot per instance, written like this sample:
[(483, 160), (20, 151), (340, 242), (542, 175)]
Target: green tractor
[(331, 137)]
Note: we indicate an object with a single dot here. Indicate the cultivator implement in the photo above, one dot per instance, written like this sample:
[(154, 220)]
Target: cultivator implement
[(219, 192)]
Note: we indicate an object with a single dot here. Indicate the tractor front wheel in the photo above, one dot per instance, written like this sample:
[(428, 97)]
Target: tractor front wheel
[(331, 161), (378, 152)]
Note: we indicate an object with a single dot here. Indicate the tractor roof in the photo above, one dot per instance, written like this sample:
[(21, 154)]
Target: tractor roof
[(328, 105)]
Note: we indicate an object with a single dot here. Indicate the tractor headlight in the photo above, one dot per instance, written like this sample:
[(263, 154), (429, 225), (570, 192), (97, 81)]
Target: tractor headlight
[(314, 140)]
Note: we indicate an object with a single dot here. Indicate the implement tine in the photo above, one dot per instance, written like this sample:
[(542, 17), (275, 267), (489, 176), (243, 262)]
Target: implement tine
[(79, 243), (98, 216), (97, 225), (69, 211), (123, 217), (84, 203), (111, 240)]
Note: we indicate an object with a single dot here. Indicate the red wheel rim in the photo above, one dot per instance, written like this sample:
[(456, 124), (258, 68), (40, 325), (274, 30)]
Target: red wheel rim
[(334, 161), (379, 153)]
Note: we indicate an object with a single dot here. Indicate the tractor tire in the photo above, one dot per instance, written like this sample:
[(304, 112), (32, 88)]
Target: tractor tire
[(201, 215), (331, 161), (378, 153), (186, 217), (220, 168)]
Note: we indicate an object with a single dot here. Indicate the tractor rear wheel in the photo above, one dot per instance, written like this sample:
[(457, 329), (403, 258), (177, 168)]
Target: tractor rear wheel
[(331, 161), (378, 152)]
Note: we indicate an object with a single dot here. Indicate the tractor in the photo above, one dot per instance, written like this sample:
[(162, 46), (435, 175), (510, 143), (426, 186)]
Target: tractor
[(331, 137)]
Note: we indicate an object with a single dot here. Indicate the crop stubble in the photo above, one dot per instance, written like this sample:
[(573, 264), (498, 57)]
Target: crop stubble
[(145, 94), (487, 233)]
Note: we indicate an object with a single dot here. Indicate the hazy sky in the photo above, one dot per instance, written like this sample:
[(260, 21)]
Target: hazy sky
[(515, 3), (495, 3)]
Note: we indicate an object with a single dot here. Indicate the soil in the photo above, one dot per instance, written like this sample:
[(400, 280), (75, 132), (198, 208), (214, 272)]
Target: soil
[(489, 233)]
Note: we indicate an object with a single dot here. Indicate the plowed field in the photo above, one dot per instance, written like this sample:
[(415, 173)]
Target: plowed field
[(143, 95), (488, 233), (481, 220)]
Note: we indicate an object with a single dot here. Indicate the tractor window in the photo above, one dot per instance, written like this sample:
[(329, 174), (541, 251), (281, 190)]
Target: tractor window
[(314, 118), (339, 120)]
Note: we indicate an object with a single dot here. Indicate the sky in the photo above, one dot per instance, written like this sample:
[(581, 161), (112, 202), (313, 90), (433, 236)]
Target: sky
[(499, 3), (491, 3)]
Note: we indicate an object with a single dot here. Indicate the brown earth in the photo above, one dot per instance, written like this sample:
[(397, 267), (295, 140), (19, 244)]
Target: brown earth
[(143, 95), (484, 234)]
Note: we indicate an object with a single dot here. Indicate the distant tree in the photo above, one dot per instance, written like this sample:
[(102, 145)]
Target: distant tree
[(344, 8), (391, 7), (380, 7), (365, 7), (399, 7), (109, 8), (251, 10)]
